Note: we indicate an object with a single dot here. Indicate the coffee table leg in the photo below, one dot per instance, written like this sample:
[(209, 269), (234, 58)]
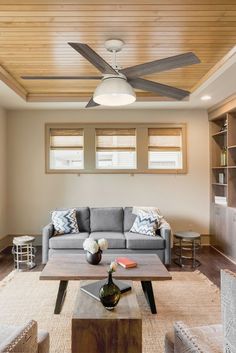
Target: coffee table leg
[(147, 289), (60, 296)]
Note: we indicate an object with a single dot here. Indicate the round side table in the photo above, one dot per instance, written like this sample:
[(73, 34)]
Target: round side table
[(24, 253), (186, 244)]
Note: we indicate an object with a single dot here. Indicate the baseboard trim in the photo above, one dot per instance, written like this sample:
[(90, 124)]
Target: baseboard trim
[(228, 258)]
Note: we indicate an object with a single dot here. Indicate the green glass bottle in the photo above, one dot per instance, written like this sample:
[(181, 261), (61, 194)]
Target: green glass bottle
[(109, 293)]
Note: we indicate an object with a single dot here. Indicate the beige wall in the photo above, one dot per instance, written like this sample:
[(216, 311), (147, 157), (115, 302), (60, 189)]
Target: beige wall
[(3, 173), (183, 199)]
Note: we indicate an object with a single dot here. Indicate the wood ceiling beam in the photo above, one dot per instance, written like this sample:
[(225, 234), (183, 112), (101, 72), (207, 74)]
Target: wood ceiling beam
[(83, 97), (11, 82)]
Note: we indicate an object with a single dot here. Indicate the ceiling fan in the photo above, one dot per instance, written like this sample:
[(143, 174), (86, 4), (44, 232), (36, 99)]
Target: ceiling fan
[(116, 86)]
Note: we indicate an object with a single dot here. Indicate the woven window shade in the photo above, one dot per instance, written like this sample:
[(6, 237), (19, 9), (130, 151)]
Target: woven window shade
[(69, 139), (165, 139), (115, 140)]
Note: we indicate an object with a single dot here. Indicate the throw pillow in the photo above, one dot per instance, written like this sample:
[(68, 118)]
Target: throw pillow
[(65, 221), (145, 223)]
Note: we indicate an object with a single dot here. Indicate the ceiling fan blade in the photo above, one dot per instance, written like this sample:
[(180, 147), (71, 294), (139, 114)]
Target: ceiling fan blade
[(95, 59), (163, 90), (62, 77), (173, 62), (91, 104)]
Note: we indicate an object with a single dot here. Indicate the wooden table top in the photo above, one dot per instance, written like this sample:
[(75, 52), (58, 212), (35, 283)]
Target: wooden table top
[(69, 267)]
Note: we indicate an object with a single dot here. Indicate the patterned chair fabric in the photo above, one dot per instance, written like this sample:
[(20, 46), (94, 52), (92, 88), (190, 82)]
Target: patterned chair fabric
[(23, 339), (212, 338), (228, 310)]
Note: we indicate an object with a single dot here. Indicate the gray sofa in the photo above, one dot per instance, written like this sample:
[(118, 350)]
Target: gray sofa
[(112, 223)]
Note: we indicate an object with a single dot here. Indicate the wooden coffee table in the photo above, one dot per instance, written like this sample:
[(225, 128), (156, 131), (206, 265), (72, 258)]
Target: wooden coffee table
[(70, 267), (95, 329)]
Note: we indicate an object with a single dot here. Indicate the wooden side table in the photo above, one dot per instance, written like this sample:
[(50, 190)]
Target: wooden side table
[(95, 329), (185, 243)]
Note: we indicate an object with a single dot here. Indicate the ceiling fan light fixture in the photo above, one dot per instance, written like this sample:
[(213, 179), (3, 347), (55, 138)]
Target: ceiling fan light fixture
[(114, 91)]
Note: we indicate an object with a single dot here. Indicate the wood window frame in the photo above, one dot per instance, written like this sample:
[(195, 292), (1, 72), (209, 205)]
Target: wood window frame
[(89, 130)]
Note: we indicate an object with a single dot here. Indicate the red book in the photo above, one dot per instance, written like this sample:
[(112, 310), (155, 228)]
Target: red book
[(126, 262)]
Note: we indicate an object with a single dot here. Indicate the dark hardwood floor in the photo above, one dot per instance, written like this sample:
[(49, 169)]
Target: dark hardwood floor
[(211, 263)]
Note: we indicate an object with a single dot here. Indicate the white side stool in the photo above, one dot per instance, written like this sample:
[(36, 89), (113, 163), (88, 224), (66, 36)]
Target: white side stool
[(24, 253)]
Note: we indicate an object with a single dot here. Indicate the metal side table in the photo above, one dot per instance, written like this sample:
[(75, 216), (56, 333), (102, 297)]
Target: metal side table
[(24, 253), (185, 246)]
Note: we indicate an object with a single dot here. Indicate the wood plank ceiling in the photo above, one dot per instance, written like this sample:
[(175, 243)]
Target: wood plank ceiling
[(34, 36)]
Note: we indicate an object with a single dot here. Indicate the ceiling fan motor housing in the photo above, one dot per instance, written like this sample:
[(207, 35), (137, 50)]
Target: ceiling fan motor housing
[(113, 91)]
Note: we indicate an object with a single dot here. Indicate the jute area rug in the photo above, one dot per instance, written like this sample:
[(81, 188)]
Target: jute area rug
[(189, 297)]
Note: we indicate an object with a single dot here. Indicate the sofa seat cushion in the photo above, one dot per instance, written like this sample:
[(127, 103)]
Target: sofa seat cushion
[(106, 219), (141, 241), (68, 241), (116, 240)]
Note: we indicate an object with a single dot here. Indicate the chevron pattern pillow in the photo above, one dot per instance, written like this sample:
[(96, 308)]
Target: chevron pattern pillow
[(65, 221), (145, 223)]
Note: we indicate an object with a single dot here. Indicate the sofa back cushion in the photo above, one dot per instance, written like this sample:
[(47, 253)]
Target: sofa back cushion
[(129, 218), (83, 218), (106, 219)]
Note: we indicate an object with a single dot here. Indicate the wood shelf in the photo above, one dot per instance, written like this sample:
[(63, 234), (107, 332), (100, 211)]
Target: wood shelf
[(219, 167), (231, 167), (220, 133), (219, 184)]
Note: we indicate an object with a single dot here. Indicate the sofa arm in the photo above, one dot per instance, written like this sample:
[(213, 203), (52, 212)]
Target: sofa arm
[(165, 233), (184, 341), (47, 233), (20, 338)]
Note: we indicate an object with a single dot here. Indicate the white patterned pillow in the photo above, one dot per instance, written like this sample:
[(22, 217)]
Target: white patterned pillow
[(145, 223), (65, 221)]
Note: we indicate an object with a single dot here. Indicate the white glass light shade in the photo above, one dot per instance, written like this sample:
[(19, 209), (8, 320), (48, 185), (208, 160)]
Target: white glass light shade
[(114, 91)]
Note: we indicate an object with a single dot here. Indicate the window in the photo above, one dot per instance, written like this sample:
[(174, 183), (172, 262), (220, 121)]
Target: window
[(165, 148), (66, 149), (129, 148), (115, 148)]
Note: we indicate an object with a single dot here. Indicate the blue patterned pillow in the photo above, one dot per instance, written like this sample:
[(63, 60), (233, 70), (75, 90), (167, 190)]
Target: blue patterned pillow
[(145, 223), (65, 221)]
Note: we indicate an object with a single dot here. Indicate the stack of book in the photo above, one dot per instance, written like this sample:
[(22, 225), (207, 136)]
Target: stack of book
[(221, 200), (126, 262)]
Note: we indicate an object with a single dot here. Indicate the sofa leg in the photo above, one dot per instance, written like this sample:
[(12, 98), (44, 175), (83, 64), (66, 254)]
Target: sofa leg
[(60, 296), (147, 289)]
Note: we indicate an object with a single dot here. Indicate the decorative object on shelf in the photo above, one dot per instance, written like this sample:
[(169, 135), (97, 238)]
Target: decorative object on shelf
[(221, 178), (109, 293), (223, 157), (224, 126), (94, 249)]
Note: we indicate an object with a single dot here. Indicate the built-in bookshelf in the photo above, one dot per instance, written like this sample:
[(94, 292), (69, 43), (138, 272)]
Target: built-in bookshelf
[(223, 159), (223, 214)]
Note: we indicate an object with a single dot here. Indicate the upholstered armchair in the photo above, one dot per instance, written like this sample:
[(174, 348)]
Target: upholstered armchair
[(23, 339), (211, 338)]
